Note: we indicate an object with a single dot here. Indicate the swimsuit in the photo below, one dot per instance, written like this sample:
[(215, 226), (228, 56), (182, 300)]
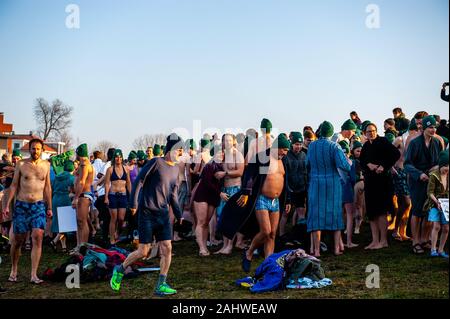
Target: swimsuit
[(118, 200), (115, 177), (88, 195), (265, 203), (28, 216)]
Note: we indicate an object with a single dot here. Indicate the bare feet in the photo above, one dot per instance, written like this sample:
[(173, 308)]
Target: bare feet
[(351, 245), (204, 253), (372, 244), (338, 253), (223, 252), (177, 238), (377, 246)]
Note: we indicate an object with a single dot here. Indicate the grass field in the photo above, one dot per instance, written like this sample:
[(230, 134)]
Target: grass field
[(402, 275)]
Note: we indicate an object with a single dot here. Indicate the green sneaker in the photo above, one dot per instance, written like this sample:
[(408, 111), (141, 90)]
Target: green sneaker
[(116, 279), (164, 290)]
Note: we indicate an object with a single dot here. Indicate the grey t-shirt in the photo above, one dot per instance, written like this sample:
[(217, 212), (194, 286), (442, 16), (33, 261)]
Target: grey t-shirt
[(159, 189)]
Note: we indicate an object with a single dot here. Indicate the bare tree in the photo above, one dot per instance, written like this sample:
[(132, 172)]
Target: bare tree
[(52, 119), (103, 146), (66, 138), (142, 142)]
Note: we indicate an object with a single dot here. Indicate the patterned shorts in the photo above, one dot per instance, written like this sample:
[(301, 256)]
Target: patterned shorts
[(400, 183), (28, 216), (269, 204)]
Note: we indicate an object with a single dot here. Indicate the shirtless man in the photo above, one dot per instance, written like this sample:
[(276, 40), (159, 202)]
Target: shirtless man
[(402, 193), (31, 183), (233, 166), (83, 194), (261, 143), (267, 203), (418, 131), (348, 130)]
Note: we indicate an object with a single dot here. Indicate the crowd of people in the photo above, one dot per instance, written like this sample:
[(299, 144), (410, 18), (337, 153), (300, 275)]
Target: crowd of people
[(322, 180)]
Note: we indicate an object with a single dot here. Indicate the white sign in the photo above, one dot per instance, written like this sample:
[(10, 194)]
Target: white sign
[(67, 219), (444, 205)]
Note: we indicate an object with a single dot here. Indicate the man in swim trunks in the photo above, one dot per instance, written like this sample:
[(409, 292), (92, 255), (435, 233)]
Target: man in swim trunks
[(233, 169), (261, 143), (272, 181), (83, 195), (158, 183), (31, 183)]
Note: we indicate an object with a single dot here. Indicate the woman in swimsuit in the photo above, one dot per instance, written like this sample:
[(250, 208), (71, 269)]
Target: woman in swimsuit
[(198, 163), (117, 184), (206, 200)]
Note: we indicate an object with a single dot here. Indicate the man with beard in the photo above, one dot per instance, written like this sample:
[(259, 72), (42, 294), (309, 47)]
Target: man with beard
[(31, 183)]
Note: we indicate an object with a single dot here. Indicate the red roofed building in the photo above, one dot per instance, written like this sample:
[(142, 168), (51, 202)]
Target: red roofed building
[(5, 129), (10, 141)]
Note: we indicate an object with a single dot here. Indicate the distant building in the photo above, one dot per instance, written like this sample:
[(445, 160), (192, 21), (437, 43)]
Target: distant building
[(10, 141), (5, 130)]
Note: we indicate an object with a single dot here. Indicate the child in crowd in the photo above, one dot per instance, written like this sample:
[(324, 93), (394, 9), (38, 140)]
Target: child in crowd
[(437, 189)]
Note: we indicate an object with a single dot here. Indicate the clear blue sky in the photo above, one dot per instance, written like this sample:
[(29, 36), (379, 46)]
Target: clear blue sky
[(137, 67)]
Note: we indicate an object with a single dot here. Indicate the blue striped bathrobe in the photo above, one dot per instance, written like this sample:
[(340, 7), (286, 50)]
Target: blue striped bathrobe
[(324, 160)]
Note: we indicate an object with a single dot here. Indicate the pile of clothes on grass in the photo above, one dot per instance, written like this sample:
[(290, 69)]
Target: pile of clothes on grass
[(95, 264), (289, 269)]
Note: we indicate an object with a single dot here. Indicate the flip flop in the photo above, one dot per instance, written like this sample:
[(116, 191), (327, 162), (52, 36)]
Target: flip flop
[(418, 250), (12, 279), (36, 281)]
